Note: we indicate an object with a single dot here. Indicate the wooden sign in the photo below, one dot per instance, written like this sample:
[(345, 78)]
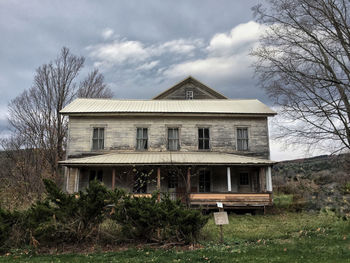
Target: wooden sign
[(221, 218)]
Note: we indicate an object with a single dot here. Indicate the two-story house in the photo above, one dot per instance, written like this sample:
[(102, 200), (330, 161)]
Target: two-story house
[(189, 141)]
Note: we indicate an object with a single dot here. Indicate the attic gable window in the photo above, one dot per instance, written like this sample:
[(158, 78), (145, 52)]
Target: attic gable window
[(189, 95), (98, 136), (242, 139), (173, 139), (203, 138), (142, 139)]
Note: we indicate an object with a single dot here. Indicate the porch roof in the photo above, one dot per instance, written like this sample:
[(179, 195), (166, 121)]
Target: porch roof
[(166, 158)]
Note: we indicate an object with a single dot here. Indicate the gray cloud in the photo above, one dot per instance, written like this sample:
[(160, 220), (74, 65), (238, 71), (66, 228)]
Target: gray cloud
[(32, 32)]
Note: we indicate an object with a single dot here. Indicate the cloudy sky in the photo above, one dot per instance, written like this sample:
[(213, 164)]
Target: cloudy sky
[(141, 47)]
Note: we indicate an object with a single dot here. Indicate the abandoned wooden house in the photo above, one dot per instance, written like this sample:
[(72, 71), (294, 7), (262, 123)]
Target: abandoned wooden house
[(189, 141)]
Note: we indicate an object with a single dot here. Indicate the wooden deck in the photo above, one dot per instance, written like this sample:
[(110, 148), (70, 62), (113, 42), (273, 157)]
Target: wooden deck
[(234, 200)]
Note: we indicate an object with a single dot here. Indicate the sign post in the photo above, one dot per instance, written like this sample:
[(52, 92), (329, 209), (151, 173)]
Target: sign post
[(221, 219)]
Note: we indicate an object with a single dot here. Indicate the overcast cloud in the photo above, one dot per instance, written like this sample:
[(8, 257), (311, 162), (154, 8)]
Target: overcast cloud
[(142, 47)]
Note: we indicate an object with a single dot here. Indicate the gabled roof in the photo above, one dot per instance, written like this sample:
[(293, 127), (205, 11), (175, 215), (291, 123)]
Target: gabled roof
[(166, 158), (105, 107), (196, 83)]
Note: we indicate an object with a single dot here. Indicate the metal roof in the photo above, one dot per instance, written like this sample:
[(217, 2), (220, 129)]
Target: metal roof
[(114, 106), (166, 158)]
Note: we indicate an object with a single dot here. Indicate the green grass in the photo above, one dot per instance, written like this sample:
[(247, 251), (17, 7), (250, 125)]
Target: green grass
[(289, 237), (282, 200)]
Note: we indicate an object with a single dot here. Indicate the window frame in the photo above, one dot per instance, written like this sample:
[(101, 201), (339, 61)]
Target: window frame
[(248, 179), (187, 96), (99, 128), (178, 139), (173, 180), (204, 170), (239, 139), (204, 139), (137, 139)]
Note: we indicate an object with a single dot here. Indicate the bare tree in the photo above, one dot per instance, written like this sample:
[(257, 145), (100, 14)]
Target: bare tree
[(303, 63), (34, 115), (94, 87)]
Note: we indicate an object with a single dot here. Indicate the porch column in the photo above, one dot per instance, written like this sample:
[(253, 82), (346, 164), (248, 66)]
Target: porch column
[(113, 178), (268, 179), (76, 181), (67, 178), (158, 182), (188, 181), (229, 179), (188, 187)]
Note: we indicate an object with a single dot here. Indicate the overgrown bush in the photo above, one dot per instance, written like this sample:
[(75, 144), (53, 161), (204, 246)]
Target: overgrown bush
[(70, 217), (166, 221), (63, 218), (11, 229)]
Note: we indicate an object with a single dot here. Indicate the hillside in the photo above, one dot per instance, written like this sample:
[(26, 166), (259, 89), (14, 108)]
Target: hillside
[(321, 182)]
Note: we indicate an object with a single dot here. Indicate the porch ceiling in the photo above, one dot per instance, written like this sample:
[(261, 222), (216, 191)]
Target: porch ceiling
[(166, 158)]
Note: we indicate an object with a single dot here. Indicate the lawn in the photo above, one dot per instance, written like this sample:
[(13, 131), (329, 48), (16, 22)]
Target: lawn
[(291, 237)]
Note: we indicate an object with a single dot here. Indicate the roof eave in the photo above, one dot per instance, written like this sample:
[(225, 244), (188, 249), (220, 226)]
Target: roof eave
[(101, 114), (68, 164)]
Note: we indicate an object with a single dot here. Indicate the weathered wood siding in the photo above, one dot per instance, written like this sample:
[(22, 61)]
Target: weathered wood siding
[(120, 133), (180, 93)]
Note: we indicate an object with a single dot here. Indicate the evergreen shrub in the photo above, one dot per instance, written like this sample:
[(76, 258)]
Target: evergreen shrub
[(63, 218), (146, 219)]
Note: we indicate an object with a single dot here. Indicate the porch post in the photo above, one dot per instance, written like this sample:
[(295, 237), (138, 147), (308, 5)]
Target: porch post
[(113, 178), (229, 179), (158, 182), (77, 177), (188, 187), (67, 178), (268, 179)]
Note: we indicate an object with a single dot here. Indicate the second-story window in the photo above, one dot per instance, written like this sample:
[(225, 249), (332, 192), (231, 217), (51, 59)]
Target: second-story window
[(98, 138), (189, 95), (142, 139), (242, 139), (203, 138), (173, 139)]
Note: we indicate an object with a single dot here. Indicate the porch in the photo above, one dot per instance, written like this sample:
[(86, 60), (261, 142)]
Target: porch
[(242, 184)]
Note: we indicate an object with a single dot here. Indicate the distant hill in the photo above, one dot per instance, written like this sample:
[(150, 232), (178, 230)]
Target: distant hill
[(321, 182), (309, 166)]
